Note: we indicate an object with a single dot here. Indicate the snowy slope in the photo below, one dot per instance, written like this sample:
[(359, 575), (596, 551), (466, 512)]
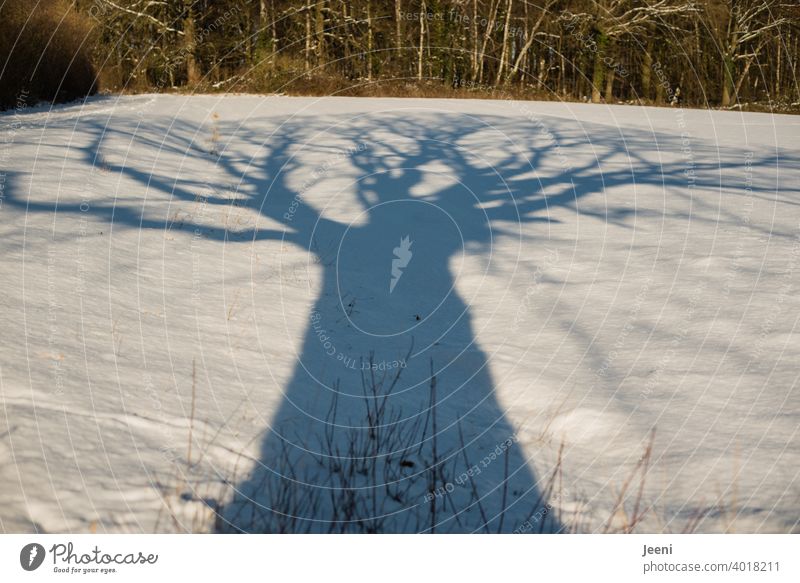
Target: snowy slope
[(207, 269)]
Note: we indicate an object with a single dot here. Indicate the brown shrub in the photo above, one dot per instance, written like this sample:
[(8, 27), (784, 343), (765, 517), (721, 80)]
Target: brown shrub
[(44, 53)]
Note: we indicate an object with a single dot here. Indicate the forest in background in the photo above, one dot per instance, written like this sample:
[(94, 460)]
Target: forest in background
[(714, 53)]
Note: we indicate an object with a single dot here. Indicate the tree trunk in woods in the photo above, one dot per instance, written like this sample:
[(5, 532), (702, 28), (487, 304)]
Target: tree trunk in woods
[(308, 36), (777, 89), (192, 70), (346, 40), (562, 73), (659, 94), (541, 77), (260, 32), (727, 80), (503, 53), (742, 77), (274, 34), (421, 40), (398, 33), (369, 40), (647, 68), (609, 92), (599, 68), (473, 55), (486, 37), (319, 31)]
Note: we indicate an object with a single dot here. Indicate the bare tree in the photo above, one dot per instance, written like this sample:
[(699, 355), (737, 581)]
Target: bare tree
[(609, 49), (506, 28), (610, 21), (192, 70), (741, 28), (422, 16), (532, 34)]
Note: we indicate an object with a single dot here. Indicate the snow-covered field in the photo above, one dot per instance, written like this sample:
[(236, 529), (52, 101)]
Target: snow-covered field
[(187, 282)]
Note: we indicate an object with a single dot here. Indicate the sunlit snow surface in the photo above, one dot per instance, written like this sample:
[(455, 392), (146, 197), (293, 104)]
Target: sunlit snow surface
[(574, 275)]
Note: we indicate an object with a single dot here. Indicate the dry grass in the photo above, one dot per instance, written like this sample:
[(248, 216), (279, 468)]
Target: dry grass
[(351, 487)]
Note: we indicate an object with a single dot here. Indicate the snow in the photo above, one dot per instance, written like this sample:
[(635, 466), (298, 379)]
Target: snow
[(580, 276)]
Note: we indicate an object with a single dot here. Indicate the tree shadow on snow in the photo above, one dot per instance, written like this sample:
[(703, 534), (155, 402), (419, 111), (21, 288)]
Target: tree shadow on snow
[(390, 422)]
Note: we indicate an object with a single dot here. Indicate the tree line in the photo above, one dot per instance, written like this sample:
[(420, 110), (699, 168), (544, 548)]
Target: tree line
[(712, 53)]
